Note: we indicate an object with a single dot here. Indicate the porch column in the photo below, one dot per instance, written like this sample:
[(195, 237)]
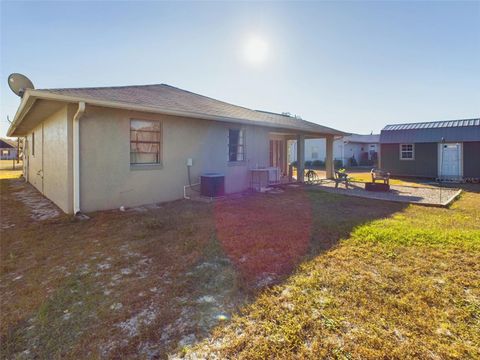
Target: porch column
[(300, 157), (285, 157), (329, 157)]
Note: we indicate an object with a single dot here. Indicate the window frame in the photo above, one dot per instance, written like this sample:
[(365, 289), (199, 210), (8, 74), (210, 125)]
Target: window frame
[(242, 145), (159, 162), (406, 151)]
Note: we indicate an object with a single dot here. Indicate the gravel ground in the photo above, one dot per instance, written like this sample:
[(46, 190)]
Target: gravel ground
[(432, 195)]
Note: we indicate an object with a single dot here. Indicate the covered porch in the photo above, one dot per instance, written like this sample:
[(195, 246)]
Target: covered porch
[(279, 169)]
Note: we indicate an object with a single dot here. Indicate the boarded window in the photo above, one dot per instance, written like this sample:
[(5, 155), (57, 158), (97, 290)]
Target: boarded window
[(145, 142), (236, 144), (407, 152)]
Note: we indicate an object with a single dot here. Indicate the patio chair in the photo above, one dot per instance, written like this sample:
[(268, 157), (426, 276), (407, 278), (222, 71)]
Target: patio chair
[(378, 174), (340, 177)]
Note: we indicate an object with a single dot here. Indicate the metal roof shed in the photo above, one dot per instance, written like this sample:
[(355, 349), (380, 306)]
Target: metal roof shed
[(432, 132)]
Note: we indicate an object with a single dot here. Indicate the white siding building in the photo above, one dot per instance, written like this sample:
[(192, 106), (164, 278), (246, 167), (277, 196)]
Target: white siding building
[(344, 148)]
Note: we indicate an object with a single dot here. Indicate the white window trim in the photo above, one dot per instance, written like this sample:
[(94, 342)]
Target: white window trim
[(413, 152)]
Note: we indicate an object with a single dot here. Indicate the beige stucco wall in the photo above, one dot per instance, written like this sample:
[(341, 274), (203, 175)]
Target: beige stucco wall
[(107, 180), (50, 169), (35, 158)]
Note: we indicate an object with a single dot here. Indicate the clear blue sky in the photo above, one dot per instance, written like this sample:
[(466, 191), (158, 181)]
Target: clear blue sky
[(355, 66)]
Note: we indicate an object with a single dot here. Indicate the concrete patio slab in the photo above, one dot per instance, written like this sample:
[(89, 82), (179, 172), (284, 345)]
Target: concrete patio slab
[(427, 196)]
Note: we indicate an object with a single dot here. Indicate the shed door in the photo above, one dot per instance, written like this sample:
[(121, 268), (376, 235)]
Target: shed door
[(450, 160)]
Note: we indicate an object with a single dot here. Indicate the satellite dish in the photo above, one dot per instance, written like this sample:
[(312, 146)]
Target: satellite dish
[(19, 83)]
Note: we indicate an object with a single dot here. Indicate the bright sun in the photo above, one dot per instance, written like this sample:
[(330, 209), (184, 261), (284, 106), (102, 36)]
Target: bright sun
[(256, 50)]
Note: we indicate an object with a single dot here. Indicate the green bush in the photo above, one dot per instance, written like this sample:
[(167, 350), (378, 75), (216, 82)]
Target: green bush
[(337, 164), (318, 163), (308, 164), (294, 163)]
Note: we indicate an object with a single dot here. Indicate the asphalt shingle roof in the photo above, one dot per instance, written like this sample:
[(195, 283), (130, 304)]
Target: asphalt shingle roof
[(168, 97)]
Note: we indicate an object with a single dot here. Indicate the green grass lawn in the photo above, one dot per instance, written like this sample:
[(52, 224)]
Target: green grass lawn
[(300, 274), (405, 286)]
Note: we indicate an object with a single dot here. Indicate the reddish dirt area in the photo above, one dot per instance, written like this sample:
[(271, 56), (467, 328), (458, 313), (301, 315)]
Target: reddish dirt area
[(265, 239)]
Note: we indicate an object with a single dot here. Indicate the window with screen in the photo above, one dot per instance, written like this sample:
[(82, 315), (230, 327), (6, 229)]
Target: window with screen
[(145, 142), (236, 144), (407, 152)]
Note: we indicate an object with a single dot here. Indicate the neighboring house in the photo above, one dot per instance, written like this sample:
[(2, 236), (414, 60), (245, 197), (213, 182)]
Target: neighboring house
[(91, 149), (8, 149), (344, 148), (440, 149)]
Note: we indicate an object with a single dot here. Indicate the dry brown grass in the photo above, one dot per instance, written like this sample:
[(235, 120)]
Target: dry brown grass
[(11, 174), (136, 259), (403, 283), (7, 171)]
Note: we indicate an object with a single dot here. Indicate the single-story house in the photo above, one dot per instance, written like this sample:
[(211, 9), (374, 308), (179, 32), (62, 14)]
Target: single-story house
[(8, 149), (91, 149), (439, 149), (362, 148)]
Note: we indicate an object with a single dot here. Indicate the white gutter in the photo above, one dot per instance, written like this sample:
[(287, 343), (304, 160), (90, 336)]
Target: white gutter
[(76, 157), (26, 150), (159, 110)]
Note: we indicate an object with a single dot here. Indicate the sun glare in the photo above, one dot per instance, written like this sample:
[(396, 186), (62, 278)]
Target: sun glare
[(256, 50)]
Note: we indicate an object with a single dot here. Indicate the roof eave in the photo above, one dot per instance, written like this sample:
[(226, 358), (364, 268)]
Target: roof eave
[(40, 94), (23, 108)]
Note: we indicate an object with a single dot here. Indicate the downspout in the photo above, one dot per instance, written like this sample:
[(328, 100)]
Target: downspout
[(26, 150), (76, 157)]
